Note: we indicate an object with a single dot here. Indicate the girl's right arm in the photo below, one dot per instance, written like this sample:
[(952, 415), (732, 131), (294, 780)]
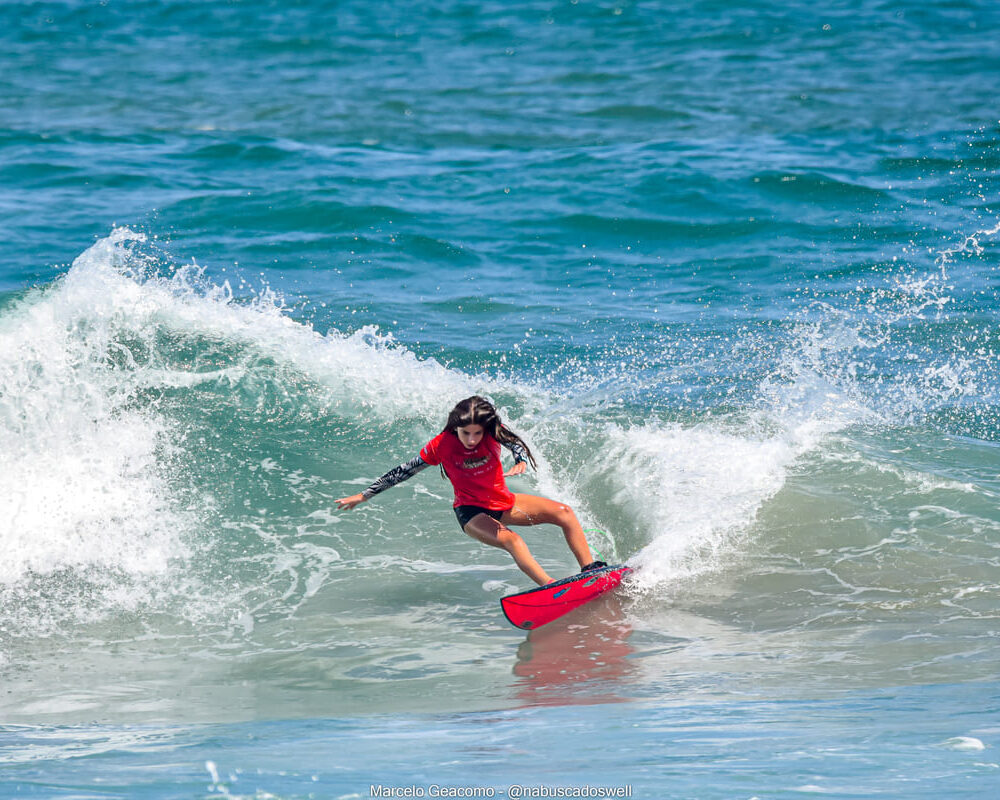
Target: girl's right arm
[(391, 478)]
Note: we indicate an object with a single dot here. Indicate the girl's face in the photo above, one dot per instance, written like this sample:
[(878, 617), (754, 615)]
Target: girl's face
[(470, 435)]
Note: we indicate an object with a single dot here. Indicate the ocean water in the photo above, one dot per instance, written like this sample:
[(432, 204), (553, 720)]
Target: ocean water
[(730, 269)]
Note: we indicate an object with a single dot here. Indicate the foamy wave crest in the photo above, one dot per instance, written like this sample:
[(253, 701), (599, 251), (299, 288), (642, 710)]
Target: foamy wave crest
[(362, 372), (81, 485), (82, 489), (97, 510), (700, 487)]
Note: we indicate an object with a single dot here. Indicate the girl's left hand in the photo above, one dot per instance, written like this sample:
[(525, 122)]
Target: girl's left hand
[(517, 469)]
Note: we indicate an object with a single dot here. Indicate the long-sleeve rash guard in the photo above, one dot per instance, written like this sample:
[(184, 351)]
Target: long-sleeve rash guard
[(410, 468)]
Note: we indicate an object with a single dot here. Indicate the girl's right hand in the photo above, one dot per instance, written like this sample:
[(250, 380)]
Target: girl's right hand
[(347, 503)]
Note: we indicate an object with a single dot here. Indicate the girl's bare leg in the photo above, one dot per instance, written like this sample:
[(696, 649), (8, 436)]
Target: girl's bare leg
[(489, 531), (532, 510)]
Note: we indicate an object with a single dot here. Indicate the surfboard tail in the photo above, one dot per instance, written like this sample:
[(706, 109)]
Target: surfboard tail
[(536, 607)]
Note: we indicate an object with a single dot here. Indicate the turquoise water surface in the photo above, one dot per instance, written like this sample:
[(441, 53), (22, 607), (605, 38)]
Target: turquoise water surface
[(731, 270)]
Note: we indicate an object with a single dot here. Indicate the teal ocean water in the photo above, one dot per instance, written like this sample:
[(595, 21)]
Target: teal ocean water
[(730, 269)]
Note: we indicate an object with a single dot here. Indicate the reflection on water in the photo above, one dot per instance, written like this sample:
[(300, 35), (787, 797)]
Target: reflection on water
[(581, 659)]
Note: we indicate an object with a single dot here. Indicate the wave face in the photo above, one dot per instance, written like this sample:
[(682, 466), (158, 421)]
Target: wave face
[(172, 450), (731, 273)]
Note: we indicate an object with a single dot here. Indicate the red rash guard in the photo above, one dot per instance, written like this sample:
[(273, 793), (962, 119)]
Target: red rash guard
[(476, 475)]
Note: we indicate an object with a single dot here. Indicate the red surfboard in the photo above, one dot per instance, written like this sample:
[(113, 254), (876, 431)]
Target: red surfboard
[(537, 607)]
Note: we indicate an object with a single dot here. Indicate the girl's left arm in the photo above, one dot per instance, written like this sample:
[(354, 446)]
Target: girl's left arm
[(520, 459)]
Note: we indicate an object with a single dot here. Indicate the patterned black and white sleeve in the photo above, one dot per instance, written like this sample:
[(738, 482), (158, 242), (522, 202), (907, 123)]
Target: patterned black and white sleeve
[(395, 475), (518, 452)]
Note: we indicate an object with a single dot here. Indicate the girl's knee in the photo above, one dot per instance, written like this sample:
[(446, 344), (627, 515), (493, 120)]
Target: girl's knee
[(562, 514), (509, 540), (554, 513)]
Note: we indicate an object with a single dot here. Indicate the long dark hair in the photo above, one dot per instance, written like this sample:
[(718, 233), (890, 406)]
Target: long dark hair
[(478, 410)]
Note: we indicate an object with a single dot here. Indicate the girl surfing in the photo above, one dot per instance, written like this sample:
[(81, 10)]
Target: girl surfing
[(468, 452)]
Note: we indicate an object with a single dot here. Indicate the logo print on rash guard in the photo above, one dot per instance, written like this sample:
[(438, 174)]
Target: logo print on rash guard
[(475, 463)]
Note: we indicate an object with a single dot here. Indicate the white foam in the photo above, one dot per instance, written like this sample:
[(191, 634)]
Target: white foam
[(83, 478), (969, 744), (366, 373), (80, 480), (91, 499), (697, 489), (694, 488)]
